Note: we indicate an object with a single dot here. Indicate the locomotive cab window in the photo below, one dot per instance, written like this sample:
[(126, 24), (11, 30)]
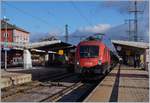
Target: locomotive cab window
[(89, 51)]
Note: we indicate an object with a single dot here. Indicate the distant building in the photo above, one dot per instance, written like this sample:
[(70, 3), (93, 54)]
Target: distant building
[(14, 35)]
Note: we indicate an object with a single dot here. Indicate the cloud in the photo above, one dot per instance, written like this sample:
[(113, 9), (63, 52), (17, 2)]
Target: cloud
[(120, 31), (99, 28), (117, 32)]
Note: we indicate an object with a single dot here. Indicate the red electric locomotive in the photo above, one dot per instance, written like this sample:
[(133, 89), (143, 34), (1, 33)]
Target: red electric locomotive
[(92, 58)]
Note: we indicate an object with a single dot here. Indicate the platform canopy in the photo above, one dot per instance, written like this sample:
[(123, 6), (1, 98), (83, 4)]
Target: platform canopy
[(53, 45), (50, 45), (131, 44)]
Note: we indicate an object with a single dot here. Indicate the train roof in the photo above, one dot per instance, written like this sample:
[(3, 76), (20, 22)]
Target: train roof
[(100, 37), (92, 42)]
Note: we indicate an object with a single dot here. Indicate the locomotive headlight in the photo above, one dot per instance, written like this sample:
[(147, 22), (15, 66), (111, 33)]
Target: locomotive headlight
[(77, 62), (99, 62)]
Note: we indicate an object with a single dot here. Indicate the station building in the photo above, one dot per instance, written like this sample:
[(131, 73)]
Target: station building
[(11, 36), (133, 53), (14, 34)]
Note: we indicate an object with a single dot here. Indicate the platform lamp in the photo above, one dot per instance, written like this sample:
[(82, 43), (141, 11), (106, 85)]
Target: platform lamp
[(5, 41)]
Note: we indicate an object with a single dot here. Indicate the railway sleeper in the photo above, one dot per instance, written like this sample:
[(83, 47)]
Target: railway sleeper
[(19, 89), (61, 93), (53, 84)]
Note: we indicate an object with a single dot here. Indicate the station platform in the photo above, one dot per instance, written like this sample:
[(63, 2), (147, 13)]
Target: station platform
[(15, 76), (123, 84), (10, 79)]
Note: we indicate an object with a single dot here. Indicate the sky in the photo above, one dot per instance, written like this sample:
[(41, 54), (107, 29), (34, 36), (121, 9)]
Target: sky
[(42, 18)]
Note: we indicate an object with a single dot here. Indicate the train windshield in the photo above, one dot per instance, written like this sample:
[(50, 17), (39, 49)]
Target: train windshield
[(89, 51)]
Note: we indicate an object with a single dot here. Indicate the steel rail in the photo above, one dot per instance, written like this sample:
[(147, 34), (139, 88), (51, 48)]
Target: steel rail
[(31, 85), (58, 95)]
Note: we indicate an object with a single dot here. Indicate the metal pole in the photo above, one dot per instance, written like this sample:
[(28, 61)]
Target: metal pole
[(5, 60), (5, 43), (66, 30), (129, 30), (136, 35)]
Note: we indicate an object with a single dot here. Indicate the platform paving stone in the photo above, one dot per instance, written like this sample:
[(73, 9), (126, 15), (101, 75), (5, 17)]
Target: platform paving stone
[(126, 84)]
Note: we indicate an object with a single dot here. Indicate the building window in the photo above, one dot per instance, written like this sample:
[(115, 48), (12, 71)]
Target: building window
[(6, 35), (16, 38)]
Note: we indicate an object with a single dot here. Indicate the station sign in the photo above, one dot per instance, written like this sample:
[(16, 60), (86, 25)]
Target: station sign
[(6, 49), (61, 52), (5, 44)]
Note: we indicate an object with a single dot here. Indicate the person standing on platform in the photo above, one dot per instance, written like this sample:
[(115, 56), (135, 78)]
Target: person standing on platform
[(135, 60), (138, 61), (120, 62), (142, 61)]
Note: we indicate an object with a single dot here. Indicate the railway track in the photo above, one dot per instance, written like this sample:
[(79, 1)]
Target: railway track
[(58, 95), (82, 92), (9, 91), (57, 89)]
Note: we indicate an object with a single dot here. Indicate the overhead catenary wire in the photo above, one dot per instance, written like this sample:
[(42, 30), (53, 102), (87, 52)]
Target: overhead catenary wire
[(80, 13), (50, 13), (144, 16), (33, 16), (53, 14)]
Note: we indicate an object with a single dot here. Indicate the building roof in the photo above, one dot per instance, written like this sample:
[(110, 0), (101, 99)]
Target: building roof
[(11, 26), (50, 45), (131, 43), (43, 43)]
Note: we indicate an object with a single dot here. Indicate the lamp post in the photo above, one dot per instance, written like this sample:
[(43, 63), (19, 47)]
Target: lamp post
[(5, 40)]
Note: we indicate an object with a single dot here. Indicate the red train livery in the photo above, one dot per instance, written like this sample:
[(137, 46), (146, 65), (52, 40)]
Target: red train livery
[(92, 57)]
